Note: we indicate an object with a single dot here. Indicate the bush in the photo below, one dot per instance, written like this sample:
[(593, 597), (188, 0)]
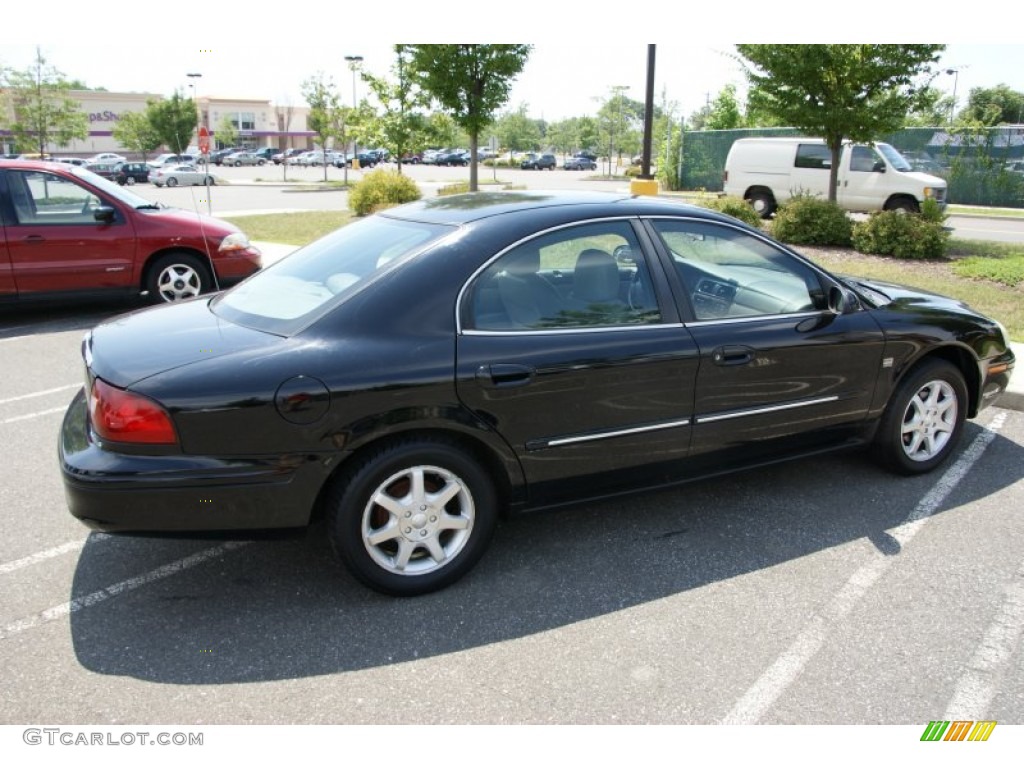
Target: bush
[(736, 207), (905, 236), (808, 220), (382, 189), (458, 188)]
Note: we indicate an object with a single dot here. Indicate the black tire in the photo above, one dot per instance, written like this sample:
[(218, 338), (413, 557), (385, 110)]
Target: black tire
[(924, 419), (129, 180), (210, 181), (903, 205), (261, 162), (403, 560), (762, 202), (176, 277), (172, 182)]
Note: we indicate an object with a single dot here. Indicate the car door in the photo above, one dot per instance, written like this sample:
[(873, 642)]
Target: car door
[(55, 242), (863, 179), (776, 363), (573, 355)]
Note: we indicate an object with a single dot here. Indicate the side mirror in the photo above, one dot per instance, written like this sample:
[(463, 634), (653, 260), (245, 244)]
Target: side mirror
[(879, 166), (836, 300), (104, 214)]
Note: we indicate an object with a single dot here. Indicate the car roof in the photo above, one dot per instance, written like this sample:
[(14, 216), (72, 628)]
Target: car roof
[(467, 208)]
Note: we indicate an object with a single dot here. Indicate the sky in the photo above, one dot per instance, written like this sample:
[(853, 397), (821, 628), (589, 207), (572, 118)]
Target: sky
[(571, 70)]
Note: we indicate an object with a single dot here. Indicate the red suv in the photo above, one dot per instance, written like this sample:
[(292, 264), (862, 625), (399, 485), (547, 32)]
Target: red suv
[(68, 232)]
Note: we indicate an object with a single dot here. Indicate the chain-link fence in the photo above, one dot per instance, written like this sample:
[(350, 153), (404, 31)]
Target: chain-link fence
[(981, 166)]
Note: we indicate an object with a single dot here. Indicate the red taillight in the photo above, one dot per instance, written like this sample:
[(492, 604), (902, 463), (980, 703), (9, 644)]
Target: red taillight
[(128, 418)]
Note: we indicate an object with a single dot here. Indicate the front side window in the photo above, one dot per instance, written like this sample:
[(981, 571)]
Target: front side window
[(728, 273), (863, 159), (592, 275), (42, 198)]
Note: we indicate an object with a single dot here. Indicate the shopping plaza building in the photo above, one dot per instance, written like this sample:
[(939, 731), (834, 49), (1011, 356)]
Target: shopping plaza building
[(258, 123)]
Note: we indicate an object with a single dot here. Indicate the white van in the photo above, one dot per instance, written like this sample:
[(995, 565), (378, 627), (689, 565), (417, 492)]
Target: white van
[(769, 171)]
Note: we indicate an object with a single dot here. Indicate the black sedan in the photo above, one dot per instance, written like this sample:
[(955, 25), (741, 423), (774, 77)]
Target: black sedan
[(415, 374)]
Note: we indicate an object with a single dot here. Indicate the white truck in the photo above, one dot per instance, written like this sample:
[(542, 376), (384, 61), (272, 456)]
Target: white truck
[(769, 171)]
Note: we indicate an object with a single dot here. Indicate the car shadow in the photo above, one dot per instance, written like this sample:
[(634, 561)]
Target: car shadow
[(31, 320), (281, 609)]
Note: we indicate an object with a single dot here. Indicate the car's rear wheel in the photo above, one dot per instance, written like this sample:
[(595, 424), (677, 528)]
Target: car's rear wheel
[(130, 181), (762, 202), (172, 182), (177, 276), (924, 418), (412, 517)]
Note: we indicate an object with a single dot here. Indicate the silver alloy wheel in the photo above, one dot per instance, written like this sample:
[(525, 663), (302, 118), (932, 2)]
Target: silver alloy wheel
[(929, 421), (418, 520), (178, 281)]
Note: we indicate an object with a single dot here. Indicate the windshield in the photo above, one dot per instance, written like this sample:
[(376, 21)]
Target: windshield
[(289, 295), (896, 160), (110, 188)]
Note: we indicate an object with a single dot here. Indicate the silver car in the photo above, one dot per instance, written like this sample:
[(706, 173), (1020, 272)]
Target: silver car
[(244, 158), (185, 175)]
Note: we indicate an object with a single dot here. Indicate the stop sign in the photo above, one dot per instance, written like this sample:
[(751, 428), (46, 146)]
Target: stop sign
[(204, 140)]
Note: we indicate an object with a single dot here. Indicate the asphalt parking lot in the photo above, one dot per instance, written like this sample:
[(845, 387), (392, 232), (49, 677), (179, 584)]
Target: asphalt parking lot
[(824, 592)]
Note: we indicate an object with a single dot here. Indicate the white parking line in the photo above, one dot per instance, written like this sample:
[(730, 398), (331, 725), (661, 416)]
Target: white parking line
[(38, 557), (100, 595), (40, 393), (777, 678), (978, 685), (25, 416)]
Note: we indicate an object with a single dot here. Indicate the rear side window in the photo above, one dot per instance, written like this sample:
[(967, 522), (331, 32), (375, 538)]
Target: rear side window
[(813, 156), (287, 296)]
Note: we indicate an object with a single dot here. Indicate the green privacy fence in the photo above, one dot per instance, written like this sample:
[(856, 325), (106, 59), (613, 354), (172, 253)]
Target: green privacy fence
[(981, 167)]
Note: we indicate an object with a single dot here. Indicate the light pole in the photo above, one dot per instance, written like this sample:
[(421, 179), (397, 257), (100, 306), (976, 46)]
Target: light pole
[(192, 77), (353, 64), (956, 77), (617, 90)]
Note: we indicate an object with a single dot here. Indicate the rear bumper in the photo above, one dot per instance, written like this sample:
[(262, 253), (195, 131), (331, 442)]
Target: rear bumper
[(121, 492)]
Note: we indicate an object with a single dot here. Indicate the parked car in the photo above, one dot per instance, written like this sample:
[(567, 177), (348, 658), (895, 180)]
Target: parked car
[(167, 159), (70, 233), (587, 154), (539, 162), (218, 155), (571, 347), (267, 153), (366, 159), (72, 160), (238, 159), (579, 164), (412, 158), (181, 175), (106, 158), (106, 170), (452, 158), (131, 173), (282, 157)]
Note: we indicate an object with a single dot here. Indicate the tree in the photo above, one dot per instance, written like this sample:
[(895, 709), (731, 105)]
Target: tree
[(133, 131), (43, 113), (226, 132), (516, 131), (326, 115), (471, 82), (838, 91), (994, 106), (725, 113), (619, 119), (173, 121), (401, 127)]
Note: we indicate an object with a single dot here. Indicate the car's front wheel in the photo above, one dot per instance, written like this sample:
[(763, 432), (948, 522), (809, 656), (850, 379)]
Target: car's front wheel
[(924, 418), (177, 276), (412, 517), (172, 182), (129, 180)]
